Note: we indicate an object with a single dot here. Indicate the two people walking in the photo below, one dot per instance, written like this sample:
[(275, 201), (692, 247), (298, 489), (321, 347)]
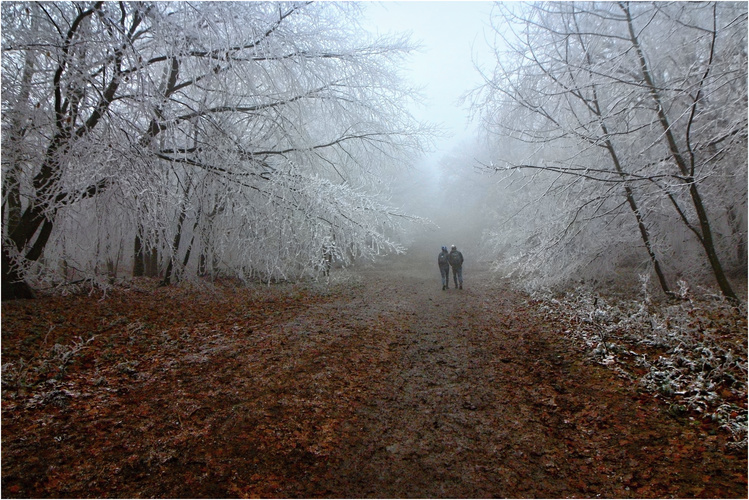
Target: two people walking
[(447, 260)]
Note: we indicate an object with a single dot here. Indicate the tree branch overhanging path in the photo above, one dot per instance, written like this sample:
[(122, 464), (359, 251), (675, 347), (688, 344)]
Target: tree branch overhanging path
[(123, 104)]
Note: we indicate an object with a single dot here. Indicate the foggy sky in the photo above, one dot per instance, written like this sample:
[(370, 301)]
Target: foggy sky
[(452, 37)]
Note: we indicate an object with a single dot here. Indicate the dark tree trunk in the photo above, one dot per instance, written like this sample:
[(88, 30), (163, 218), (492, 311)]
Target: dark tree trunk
[(709, 245), (192, 240), (46, 198), (187, 252), (152, 262), (644, 233), (138, 257), (13, 285), (169, 273), (628, 191), (685, 168), (202, 264)]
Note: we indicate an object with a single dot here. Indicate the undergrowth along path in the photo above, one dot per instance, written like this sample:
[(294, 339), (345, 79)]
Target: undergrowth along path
[(381, 385)]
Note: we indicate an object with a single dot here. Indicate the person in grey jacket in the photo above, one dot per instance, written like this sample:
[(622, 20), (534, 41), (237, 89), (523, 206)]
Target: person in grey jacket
[(444, 264), (456, 262)]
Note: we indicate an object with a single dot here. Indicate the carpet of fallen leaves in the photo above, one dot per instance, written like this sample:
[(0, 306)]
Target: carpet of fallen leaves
[(378, 384)]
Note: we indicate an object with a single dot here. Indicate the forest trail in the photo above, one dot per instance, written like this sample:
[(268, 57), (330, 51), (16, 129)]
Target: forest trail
[(481, 397), (384, 386)]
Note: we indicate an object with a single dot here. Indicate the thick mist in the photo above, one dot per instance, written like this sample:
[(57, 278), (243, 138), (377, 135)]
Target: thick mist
[(454, 194)]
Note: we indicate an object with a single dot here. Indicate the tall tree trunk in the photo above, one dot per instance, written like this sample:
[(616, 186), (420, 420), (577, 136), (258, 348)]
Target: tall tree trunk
[(628, 191), (192, 240), (202, 264), (138, 255), (644, 233), (708, 244), (13, 284), (152, 261), (687, 171), (169, 273), (630, 195)]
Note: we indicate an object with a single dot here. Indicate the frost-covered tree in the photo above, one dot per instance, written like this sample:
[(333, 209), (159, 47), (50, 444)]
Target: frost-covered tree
[(637, 108), (215, 134)]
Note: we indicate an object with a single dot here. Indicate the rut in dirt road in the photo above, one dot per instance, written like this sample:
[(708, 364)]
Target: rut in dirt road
[(480, 398)]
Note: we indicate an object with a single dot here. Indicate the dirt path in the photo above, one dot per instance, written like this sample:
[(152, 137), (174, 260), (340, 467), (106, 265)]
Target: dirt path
[(385, 387), (482, 398)]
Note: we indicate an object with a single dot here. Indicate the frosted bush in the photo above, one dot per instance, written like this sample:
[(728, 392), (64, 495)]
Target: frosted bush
[(692, 353)]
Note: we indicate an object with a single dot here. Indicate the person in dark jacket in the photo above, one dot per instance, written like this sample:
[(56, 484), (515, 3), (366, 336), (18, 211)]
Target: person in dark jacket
[(444, 263), (456, 262)]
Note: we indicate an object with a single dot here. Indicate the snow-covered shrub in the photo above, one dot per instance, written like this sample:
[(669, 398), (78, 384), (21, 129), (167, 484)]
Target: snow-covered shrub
[(691, 353)]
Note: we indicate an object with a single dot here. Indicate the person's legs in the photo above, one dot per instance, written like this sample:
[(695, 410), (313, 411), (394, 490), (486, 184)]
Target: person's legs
[(460, 277), (445, 272), (455, 277)]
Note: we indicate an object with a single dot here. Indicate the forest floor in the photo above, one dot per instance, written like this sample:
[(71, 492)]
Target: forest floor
[(377, 385)]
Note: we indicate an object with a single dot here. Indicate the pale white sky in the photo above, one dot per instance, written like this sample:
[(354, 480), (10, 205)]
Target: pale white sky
[(452, 35)]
